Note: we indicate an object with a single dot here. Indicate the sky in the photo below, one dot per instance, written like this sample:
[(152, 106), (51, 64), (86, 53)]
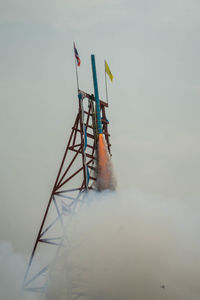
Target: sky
[(152, 48)]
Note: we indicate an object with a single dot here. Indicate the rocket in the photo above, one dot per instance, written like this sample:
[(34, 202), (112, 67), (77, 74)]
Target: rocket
[(96, 93), (104, 178)]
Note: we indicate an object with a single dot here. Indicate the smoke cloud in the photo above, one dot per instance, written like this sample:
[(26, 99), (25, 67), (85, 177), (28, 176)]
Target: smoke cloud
[(105, 175), (120, 246), (12, 270), (126, 246)]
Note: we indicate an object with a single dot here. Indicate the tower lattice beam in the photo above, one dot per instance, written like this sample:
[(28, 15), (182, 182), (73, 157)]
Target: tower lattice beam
[(76, 175)]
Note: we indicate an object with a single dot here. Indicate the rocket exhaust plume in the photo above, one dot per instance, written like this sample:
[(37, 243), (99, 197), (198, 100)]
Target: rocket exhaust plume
[(105, 178)]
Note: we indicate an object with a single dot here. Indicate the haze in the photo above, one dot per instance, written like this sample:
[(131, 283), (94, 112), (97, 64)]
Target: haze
[(152, 48)]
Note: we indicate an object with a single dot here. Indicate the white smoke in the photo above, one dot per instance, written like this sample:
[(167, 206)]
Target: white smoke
[(121, 246), (130, 246), (12, 270)]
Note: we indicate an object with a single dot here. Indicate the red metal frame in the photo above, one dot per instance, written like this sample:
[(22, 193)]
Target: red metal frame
[(66, 194)]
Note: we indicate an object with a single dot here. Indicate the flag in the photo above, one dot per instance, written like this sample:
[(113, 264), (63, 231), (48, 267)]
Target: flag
[(107, 70), (77, 56)]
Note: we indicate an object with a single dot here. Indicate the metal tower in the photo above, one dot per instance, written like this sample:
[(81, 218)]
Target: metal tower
[(76, 175)]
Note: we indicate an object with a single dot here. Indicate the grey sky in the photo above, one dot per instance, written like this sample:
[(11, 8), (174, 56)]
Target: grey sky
[(152, 48)]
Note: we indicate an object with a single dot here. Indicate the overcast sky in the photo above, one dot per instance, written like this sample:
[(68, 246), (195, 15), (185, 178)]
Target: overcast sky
[(152, 48)]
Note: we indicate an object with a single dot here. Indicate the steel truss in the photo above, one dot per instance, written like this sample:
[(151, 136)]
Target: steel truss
[(76, 175)]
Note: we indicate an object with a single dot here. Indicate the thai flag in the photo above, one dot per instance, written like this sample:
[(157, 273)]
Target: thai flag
[(77, 56)]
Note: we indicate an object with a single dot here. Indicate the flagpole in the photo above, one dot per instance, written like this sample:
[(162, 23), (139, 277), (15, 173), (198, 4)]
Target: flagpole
[(77, 81), (106, 82), (81, 120)]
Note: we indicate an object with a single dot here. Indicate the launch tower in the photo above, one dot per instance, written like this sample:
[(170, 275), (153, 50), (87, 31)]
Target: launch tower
[(76, 176)]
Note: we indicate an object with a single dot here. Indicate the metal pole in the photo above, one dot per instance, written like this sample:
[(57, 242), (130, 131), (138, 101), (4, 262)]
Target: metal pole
[(83, 143), (106, 82)]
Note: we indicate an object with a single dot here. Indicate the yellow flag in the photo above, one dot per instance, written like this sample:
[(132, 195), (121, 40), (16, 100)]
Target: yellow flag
[(107, 69)]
